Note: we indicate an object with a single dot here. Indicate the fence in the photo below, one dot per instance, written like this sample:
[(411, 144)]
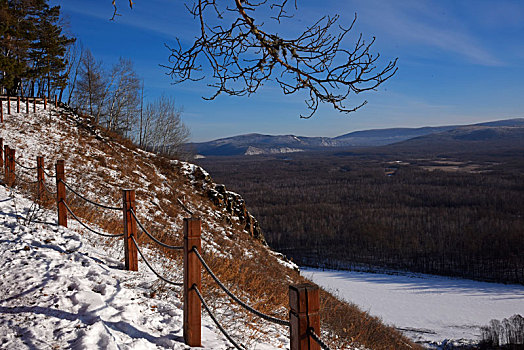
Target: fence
[(304, 317), (19, 100)]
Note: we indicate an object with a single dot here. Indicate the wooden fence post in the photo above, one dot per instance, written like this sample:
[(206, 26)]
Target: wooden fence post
[(6, 164), (34, 104), (12, 175), (45, 103), (56, 101), (7, 152), (1, 111), (27, 105), (130, 251), (9, 105), (304, 302), (192, 277), (40, 178), (17, 104), (61, 193), (1, 153)]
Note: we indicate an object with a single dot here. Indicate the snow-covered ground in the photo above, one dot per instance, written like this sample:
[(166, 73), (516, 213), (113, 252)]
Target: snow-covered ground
[(426, 308), (87, 300), (64, 288)]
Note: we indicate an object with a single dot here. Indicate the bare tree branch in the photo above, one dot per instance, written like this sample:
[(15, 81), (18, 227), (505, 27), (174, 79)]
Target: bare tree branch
[(240, 55), (115, 9)]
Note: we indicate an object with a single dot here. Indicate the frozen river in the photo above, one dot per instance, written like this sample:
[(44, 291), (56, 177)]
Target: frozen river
[(426, 308)]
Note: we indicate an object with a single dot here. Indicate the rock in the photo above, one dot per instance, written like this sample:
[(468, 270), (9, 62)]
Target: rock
[(235, 206), (201, 175), (231, 202)]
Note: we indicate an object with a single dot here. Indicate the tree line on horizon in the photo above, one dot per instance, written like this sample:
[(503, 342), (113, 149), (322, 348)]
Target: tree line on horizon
[(37, 59)]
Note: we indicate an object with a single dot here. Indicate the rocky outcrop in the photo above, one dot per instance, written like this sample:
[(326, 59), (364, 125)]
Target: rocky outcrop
[(232, 203), (235, 206)]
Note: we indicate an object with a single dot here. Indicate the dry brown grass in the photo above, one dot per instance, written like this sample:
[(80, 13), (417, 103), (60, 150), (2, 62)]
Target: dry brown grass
[(265, 281)]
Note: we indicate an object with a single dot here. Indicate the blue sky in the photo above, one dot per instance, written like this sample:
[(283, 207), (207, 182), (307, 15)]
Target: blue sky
[(459, 62)]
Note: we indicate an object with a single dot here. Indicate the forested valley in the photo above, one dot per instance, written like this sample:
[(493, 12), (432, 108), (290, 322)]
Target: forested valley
[(459, 216)]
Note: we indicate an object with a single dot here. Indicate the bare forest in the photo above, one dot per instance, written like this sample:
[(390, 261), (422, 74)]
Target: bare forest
[(457, 217)]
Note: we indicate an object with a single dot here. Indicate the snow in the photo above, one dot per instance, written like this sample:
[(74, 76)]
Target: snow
[(253, 151), (189, 169), (64, 288), (281, 258), (426, 308)]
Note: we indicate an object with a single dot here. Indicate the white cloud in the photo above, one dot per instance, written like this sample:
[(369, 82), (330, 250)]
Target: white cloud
[(424, 23), (167, 19)]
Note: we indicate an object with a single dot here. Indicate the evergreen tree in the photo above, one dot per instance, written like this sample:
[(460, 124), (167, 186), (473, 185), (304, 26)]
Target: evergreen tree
[(16, 35), (49, 51), (32, 47)]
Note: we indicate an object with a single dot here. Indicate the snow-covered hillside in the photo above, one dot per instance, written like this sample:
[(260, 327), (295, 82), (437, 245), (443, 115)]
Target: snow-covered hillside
[(64, 288), (69, 284), (82, 273)]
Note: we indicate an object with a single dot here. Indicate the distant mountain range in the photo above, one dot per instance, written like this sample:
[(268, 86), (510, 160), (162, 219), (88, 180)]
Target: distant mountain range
[(510, 130), (489, 138)]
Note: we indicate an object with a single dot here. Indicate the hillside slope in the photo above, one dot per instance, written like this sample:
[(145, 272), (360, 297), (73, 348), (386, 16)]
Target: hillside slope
[(65, 289), (99, 165)]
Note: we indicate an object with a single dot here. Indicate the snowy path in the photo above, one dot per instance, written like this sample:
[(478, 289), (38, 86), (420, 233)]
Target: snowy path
[(59, 291), (427, 308)]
